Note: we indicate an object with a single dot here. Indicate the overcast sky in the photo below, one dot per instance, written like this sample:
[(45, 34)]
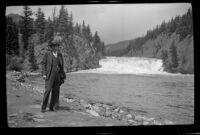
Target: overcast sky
[(116, 22)]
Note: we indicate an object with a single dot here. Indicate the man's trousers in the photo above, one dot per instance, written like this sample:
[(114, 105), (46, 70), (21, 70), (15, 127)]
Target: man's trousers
[(52, 85)]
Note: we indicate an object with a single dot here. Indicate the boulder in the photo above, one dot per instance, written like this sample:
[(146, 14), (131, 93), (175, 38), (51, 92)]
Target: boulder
[(68, 100), (145, 123), (156, 122), (38, 120), (129, 116), (116, 116), (92, 112), (95, 108), (106, 106), (121, 111), (85, 104), (139, 118), (116, 110), (21, 78), (168, 122), (108, 113), (126, 117), (102, 111), (13, 115), (132, 122)]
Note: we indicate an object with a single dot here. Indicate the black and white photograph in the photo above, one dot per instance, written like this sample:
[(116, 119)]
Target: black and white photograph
[(99, 65)]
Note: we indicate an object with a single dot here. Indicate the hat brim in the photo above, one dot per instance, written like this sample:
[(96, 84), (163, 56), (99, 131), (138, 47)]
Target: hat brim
[(54, 44)]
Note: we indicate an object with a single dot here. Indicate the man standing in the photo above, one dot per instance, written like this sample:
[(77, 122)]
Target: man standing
[(54, 75)]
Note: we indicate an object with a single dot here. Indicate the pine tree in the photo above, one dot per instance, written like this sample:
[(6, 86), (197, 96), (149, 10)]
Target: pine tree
[(174, 57), (12, 44), (97, 42), (49, 31), (76, 28), (88, 33), (27, 24), (32, 59), (83, 30), (54, 21), (71, 24), (63, 24), (40, 24)]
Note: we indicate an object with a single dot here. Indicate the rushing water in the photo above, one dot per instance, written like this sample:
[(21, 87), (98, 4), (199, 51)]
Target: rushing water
[(137, 83)]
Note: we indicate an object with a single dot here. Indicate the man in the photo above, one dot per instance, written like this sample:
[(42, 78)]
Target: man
[(54, 75)]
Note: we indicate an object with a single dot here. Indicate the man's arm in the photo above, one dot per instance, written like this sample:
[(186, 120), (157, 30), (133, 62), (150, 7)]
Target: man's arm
[(62, 68), (44, 64)]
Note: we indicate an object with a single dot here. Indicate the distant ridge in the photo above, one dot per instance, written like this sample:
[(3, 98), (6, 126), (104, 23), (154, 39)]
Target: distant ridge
[(16, 18), (118, 48)]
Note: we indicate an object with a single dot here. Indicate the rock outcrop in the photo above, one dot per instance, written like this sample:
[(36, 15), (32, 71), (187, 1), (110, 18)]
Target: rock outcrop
[(79, 56), (152, 49)]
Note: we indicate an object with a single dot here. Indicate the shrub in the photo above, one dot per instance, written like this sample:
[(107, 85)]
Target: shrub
[(14, 63)]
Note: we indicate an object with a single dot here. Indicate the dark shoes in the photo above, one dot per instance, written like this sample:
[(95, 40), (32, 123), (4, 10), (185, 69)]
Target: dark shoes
[(52, 109), (43, 111)]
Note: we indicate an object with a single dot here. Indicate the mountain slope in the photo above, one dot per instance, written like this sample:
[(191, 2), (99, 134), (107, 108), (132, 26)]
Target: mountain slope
[(177, 32), (117, 49)]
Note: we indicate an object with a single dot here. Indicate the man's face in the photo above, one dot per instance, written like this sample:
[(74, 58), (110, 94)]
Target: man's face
[(55, 48)]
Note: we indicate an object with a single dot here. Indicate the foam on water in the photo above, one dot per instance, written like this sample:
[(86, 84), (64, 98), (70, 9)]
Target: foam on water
[(129, 65)]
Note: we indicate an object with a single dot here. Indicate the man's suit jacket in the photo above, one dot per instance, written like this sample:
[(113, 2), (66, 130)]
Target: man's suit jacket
[(47, 65)]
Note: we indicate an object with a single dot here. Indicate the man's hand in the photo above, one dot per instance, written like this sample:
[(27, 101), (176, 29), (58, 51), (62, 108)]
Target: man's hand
[(44, 77)]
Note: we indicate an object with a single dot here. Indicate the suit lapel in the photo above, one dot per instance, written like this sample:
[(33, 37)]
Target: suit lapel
[(59, 58), (51, 58)]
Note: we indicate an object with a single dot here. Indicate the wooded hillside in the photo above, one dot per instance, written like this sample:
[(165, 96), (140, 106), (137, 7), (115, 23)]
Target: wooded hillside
[(27, 40), (171, 41)]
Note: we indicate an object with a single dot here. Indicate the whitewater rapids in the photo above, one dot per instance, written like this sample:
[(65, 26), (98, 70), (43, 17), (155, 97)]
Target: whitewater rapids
[(128, 65)]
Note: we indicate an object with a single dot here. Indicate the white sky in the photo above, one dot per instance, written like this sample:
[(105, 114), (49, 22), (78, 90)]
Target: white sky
[(116, 22)]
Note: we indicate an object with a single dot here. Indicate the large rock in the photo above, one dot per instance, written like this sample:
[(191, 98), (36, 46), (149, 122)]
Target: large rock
[(85, 104), (92, 112), (108, 113)]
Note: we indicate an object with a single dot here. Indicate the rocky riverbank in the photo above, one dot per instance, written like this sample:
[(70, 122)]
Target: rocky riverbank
[(24, 99)]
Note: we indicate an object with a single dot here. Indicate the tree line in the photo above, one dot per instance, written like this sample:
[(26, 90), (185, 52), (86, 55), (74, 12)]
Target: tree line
[(29, 32)]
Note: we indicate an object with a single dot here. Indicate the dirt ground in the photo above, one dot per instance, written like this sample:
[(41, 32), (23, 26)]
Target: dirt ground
[(23, 110)]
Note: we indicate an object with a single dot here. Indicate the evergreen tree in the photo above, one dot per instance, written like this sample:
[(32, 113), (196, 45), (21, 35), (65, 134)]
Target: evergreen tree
[(32, 59), (63, 24), (27, 24), (83, 29), (164, 57), (76, 29), (49, 32), (174, 57), (71, 24), (97, 42), (12, 44), (88, 33), (40, 24), (103, 48), (54, 21)]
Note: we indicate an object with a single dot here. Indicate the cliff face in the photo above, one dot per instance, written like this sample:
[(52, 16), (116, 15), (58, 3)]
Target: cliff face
[(152, 49), (79, 56), (82, 55)]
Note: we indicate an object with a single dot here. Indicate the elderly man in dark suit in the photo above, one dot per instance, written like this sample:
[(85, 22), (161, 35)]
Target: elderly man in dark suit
[(54, 75)]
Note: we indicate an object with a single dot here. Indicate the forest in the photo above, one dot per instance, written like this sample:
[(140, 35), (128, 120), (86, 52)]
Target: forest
[(27, 40)]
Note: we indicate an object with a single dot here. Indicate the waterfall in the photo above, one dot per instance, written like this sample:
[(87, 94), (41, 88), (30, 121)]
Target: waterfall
[(128, 65)]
